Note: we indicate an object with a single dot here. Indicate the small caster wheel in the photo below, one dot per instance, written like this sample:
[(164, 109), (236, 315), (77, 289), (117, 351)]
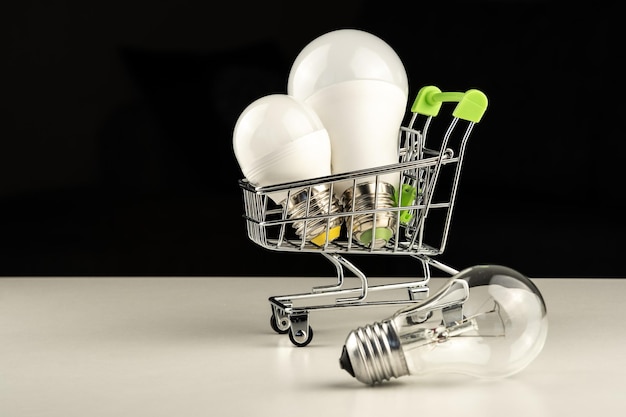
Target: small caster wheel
[(301, 340), (280, 328)]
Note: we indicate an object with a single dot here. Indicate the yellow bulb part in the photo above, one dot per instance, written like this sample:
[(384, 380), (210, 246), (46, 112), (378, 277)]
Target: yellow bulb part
[(333, 234)]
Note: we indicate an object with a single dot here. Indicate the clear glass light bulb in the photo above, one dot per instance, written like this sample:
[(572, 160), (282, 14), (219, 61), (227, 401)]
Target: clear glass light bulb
[(358, 86), (487, 321), (278, 139)]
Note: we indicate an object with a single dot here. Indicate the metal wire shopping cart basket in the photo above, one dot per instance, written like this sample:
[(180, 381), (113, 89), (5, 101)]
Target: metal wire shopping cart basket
[(410, 218)]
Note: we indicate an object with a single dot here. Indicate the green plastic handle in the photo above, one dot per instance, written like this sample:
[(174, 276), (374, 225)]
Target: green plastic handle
[(472, 103)]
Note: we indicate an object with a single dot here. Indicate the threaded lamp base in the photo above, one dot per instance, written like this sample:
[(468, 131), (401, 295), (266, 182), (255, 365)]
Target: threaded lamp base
[(311, 202), (372, 354), (371, 229)]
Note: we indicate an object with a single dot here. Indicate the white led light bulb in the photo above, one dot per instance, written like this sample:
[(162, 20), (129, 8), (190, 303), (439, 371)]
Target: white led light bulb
[(488, 321), (278, 139), (358, 86)]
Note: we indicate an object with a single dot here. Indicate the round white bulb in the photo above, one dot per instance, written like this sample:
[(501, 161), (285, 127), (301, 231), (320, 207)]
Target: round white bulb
[(279, 139), (341, 56), (358, 86)]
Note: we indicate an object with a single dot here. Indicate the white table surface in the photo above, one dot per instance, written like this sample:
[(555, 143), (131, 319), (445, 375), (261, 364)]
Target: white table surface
[(116, 346)]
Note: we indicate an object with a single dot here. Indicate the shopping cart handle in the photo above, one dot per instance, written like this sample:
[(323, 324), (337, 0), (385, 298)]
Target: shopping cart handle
[(471, 107)]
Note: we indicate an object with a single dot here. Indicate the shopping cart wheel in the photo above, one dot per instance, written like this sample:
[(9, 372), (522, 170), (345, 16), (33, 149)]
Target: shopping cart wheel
[(280, 326), (301, 338), (301, 333)]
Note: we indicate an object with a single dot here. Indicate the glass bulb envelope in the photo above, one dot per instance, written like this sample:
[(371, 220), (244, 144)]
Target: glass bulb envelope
[(487, 321)]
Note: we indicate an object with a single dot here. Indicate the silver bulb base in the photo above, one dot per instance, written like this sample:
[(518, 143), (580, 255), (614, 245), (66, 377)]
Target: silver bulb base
[(372, 354), (373, 229), (312, 204)]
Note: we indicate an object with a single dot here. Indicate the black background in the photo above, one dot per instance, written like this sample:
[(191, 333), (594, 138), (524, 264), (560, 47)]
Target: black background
[(116, 142)]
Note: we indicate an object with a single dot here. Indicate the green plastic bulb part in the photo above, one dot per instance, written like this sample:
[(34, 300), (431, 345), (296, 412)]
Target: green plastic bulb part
[(408, 194), (379, 233), (471, 106)]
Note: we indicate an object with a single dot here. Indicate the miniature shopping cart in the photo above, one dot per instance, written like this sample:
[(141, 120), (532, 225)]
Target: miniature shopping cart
[(409, 218)]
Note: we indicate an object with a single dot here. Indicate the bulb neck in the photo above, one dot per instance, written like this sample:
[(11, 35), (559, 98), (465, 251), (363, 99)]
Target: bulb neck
[(373, 354)]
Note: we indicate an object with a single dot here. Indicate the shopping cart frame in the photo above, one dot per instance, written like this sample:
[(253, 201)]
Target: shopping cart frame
[(420, 170)]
